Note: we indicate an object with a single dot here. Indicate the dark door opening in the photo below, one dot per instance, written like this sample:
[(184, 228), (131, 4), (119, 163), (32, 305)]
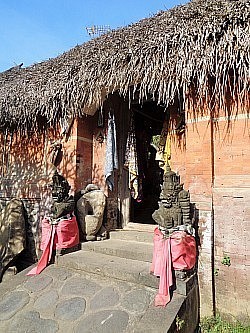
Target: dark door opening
[(148, 123)]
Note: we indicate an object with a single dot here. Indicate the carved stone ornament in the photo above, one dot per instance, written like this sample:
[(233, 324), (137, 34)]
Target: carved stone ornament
[(63, 203), (174, 205), (90, 209)]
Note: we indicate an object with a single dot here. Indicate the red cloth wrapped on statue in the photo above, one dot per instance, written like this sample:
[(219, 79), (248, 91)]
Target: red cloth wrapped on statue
[(176, 252), (61, 233)]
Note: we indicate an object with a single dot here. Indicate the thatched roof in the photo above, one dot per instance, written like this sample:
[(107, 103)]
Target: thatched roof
[(193, 45)]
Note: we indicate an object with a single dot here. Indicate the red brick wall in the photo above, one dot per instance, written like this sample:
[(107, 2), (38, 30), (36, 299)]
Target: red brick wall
[(98, 166), (230, 191), (84, 152), (232, 216), (99, 149), (29, 173), (67, 167)]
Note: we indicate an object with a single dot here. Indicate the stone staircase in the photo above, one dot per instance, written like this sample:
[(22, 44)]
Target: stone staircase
[(126, 256)]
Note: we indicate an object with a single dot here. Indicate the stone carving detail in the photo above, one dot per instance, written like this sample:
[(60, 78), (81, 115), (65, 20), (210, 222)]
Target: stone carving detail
[(89, 205), (12, 233), (90, 210), (63, 202), (174, 205)]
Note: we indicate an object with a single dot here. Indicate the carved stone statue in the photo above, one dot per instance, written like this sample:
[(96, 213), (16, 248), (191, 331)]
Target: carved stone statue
[(63, 203), (90, 209), (174, 205), (89, 205), (15, 250)]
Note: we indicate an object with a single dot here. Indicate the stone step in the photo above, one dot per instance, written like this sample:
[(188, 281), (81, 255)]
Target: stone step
[(114, 263), (122, 248), (133, 235), (140, 227), (110, 266)]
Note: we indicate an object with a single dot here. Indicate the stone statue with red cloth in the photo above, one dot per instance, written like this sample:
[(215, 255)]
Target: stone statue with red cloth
[(174, 243), (60, 230)]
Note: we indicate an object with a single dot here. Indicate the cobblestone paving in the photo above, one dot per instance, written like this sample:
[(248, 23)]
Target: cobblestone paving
[(63, 300)]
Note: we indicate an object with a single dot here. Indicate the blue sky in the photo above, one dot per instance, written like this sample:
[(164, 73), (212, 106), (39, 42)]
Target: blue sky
[(33, 30)]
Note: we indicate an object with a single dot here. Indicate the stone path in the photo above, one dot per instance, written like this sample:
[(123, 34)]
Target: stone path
[(63, 300), (103, 288)]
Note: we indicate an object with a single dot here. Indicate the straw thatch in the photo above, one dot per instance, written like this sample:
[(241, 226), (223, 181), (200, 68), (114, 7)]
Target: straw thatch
[(202, 45)]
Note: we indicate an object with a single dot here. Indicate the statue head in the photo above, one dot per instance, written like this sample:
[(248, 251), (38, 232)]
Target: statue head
[(171, 185), (60, 187), (91, 187)]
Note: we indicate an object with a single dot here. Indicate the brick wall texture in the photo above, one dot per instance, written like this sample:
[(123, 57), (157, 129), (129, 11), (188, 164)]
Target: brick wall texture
[(214, 165)]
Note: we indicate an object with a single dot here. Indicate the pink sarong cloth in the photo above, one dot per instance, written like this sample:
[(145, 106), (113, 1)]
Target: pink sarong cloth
[(63, 235), (176, 252)]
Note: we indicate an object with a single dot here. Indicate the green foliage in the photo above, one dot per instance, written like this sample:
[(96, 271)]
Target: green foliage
[(216, 271), (226, 260), (156, 140), (179, 323), (217, 325)]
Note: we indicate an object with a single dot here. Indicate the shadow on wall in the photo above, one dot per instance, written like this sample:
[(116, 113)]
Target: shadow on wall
[(98, 176), (26, 171), (194, 213)]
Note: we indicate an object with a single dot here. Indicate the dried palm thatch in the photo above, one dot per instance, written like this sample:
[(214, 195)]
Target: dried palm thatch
[(202, 45)]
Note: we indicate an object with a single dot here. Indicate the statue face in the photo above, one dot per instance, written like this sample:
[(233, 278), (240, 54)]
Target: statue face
[(167, 202), (59, 193), (60, 188)]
